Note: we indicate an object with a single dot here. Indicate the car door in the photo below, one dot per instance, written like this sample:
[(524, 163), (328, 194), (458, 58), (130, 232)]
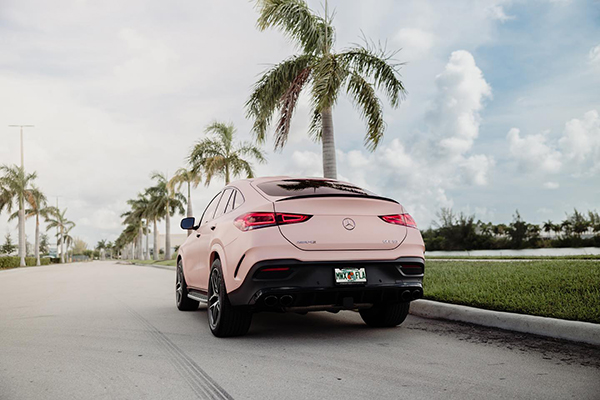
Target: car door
[(205, 234), (196, 259)]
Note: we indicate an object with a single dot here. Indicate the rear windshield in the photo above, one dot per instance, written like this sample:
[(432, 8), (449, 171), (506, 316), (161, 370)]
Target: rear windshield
[(310, 187)]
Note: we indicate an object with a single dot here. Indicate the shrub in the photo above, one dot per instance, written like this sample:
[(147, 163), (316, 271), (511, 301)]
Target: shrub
[(13, 262)]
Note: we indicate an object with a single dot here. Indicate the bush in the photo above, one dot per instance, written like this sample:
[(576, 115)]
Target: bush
[(13, 262)]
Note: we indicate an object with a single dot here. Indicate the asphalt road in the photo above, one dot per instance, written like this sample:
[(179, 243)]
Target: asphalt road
[(106, 331)]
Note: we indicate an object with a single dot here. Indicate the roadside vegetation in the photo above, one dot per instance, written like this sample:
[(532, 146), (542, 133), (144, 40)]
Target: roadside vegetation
[(462, 232), (565, 289), (21, 200)]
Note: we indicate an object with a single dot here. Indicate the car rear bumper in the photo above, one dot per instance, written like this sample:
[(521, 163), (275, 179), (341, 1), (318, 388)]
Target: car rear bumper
[(294, 284)]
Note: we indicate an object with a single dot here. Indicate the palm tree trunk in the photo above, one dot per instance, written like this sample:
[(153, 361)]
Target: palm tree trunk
[(37, 240), (147, 257), (190, 213), (168, 235), (155, 255), (327, 139), (226, 173), (62, 246), (140, 238), (22, 243)]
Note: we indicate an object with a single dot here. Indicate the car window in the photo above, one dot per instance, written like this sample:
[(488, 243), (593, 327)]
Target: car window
[(309, 187), (223, 203), (210, 209), (231, 202), (239, 199)]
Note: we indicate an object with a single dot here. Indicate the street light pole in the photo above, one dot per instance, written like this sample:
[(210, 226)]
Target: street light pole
[(21, 126), (22, 238)]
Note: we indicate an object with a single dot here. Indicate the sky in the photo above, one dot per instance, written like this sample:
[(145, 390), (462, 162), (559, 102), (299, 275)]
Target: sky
[(502, 111)]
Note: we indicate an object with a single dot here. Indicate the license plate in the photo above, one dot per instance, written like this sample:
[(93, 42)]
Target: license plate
[(350, 275)]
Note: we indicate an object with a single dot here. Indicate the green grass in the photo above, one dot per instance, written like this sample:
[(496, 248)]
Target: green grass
[(574, 257), (171, 263), (566, 289)]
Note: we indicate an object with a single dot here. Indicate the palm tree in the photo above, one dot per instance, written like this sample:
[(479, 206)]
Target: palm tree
[(193, 179), (164, 202), (219, 156), (68, 240), (101, 248), (548, 226), (38, 206), (359, 70), (57, 219), (140, 209), (14, 188)]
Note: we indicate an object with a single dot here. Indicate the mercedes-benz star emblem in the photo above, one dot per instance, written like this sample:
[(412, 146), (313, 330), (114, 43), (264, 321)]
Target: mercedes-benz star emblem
[(348, 223)]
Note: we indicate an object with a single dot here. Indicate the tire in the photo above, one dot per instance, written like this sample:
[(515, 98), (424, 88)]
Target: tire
[(224, 319), (385, 316), (184, 303)]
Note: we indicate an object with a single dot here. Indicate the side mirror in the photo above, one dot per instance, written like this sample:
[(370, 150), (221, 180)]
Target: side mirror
[(188, 223)]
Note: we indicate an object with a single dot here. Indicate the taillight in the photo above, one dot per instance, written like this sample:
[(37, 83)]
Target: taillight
[(400, 219), (256, 220)]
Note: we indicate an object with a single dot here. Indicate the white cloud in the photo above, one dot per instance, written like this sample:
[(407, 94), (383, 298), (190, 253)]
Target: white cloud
[(415, 43), (461, 91), (533, 153), (581, 140), (551, 185), (475, 169), (497, 12), (594, 55)]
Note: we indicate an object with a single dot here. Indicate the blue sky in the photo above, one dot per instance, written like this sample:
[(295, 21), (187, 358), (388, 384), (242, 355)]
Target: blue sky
[(502, 110)]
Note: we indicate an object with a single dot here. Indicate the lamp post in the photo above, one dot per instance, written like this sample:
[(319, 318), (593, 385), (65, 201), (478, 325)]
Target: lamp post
[(22, 239), (21, 128)]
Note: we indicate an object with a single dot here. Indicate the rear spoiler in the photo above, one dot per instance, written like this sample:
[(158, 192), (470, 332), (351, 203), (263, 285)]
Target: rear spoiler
[(308, 196)]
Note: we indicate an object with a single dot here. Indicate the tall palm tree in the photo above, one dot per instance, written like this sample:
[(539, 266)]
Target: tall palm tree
[(68, 240), (359, 71), (140, 209), (164, 202), (38, 207), (14, 188), (217, 155), (193, 179), (57, 219), (101, 248)]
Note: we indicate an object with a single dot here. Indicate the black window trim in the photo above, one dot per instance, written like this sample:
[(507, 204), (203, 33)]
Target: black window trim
[(209, 203)]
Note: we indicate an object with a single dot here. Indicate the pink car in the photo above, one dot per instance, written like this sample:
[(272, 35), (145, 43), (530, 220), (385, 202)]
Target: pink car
[(287, 244)]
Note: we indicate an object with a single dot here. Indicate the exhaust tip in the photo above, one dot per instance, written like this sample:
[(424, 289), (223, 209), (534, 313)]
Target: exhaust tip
[(270, 301), (286, 300), (406, 295), (417, 294)]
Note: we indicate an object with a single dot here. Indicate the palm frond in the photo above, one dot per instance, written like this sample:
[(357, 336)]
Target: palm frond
[(269, 90), (328, 76), (249, 149), (224, 132), (311, 32), (287, 106), (366, 100), (377, 65)]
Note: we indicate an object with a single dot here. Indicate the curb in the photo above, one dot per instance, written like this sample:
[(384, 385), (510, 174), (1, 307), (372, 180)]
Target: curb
[(169, 267), (575, 331)]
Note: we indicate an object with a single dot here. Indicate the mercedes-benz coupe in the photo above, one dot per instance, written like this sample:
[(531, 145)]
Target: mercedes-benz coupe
[(299, 245)]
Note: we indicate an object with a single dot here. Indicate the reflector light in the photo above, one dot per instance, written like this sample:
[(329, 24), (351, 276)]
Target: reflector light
[(254, 220), (400, 219), (275, 269)]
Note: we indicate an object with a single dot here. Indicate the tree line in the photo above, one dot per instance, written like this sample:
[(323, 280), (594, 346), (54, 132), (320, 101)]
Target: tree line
[(22, 200), (218, 155), (461, 232)]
